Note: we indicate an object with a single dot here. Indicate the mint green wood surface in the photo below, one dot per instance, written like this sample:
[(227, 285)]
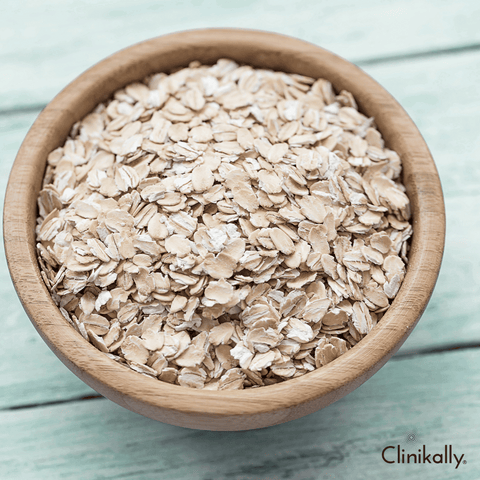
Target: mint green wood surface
[(47, 43), (452, 315), (44, 45), (97, 439)]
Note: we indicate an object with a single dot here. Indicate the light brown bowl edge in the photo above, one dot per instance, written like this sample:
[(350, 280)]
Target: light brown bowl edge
[(251, 408)]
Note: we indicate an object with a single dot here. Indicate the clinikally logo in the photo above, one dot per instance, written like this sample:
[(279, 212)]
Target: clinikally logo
[(395, 454)]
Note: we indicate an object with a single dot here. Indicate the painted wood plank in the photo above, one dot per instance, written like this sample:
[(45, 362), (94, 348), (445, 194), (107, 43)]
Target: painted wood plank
[(29, 372), (441, 96), (435, 397), (44, 45)]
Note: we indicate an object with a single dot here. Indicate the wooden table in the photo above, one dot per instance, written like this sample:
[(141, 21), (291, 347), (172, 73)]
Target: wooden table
[(427, 54)]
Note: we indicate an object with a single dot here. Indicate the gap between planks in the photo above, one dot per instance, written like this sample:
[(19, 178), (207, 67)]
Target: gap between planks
[(399, 356), (35, 108), (53, 402), (365, 62), (439, 52)]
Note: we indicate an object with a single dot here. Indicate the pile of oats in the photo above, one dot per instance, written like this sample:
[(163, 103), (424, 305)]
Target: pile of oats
[(224, 227)]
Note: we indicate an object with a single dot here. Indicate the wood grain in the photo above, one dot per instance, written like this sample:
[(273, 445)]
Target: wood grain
[(447, 113), (61, 38), (249, 408), (436, 397)]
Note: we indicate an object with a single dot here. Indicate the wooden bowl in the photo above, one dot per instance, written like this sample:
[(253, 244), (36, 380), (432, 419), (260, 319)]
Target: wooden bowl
[(250, 408)]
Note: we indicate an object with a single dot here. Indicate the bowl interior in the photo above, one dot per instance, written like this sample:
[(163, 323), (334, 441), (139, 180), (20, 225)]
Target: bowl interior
[(226, 410)]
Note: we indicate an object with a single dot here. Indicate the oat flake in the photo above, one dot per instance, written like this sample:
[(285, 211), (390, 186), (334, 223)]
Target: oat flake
[(224, 227)]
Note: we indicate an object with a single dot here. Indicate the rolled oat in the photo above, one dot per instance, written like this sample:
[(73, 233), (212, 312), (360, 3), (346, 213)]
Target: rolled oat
[(224, 227)]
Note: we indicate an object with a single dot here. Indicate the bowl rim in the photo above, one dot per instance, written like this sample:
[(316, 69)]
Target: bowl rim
[(262, 49)]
